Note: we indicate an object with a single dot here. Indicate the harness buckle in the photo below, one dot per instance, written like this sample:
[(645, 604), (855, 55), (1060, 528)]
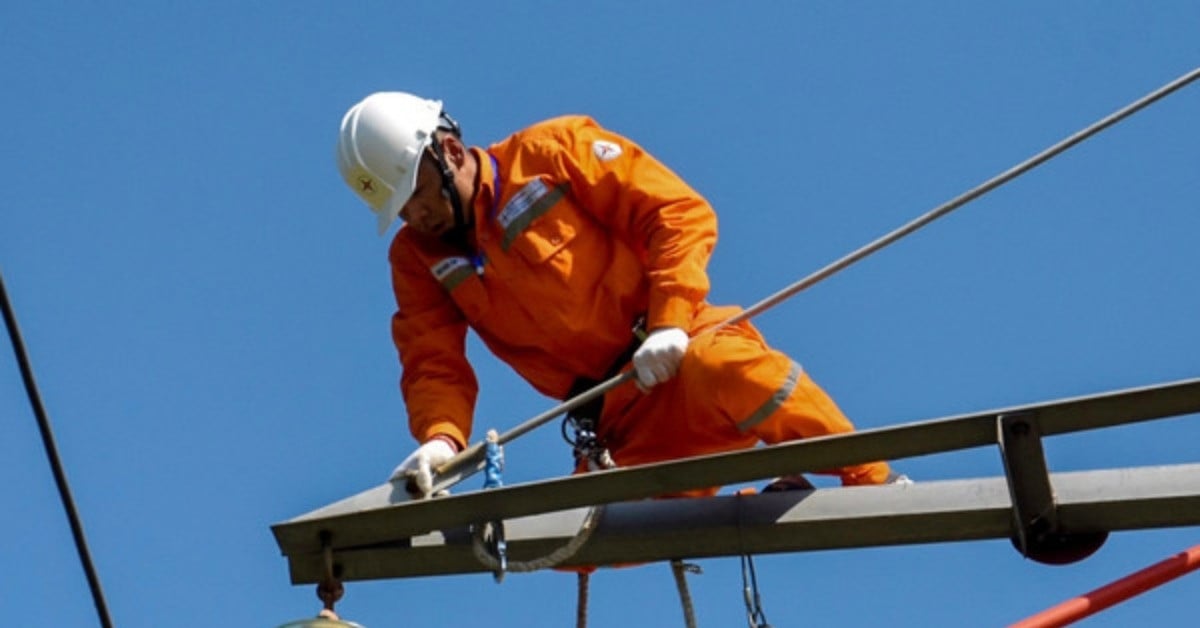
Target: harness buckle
[(585, 443), (584, 421)]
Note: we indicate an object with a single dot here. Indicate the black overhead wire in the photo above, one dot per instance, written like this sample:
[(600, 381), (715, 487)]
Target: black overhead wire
[(60, 476)]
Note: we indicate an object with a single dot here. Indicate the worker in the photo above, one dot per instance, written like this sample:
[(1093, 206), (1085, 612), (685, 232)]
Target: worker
[(573, 254)]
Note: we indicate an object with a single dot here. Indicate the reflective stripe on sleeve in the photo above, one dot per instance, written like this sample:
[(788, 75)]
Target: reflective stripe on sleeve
[(452, 271), (781, 394)]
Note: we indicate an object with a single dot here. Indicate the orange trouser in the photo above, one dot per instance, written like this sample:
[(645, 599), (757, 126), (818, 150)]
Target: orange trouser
[(731, 392)]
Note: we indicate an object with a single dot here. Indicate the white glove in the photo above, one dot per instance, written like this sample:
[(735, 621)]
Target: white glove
[(420, 464), (657, 360)]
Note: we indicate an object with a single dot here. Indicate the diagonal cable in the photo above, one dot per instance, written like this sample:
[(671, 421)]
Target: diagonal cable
[(60, 476), (470, 460)]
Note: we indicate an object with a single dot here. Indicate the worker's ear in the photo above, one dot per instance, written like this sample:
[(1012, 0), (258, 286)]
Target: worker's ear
[(454, 150)]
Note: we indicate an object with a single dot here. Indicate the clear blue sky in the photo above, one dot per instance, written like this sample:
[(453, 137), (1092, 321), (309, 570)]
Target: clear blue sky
[(207, 306)]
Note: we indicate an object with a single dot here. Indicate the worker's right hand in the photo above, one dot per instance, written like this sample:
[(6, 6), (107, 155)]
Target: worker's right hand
[(657, 360), (420, 465)]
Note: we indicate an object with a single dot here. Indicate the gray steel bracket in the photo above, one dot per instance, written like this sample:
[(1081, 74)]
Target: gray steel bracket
[(1037, 532)]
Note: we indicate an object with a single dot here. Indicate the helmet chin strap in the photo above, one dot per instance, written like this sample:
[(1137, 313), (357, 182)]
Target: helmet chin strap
[(448, 187)]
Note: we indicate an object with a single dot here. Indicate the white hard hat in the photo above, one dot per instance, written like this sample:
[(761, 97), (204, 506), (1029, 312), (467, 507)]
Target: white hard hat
[(380, 146)]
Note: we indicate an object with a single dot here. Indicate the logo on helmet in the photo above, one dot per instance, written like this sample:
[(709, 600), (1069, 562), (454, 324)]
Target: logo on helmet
[(366, 185)]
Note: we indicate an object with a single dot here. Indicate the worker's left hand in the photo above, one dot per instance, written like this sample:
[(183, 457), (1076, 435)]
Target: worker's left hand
[(657, 360), (419, 466)]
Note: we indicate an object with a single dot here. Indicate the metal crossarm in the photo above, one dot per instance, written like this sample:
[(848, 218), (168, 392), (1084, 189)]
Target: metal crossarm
[(385, 514), (927, 512)]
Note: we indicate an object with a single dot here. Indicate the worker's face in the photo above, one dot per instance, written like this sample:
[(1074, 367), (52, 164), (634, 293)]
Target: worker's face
[(429, 210)]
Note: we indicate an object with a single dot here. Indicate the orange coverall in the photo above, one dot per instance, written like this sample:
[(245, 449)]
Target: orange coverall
[(578, 232)]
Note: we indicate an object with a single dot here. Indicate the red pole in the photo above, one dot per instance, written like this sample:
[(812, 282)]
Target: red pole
[(1134, 584)]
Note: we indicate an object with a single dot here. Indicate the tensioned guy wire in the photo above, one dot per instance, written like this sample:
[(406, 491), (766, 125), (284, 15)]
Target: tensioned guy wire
[(60, 476), (474, 454)]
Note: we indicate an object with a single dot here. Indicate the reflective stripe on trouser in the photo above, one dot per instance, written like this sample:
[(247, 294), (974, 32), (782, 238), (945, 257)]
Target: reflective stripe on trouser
[(731, 392)]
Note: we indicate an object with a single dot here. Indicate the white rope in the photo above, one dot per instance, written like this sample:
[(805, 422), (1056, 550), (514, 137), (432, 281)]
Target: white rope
[(680, 569)]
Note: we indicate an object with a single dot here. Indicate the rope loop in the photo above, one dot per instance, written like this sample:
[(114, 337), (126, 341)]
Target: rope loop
[(481, 542)]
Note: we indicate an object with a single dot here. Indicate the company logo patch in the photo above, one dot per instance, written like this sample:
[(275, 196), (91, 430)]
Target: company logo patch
[(606, 150)]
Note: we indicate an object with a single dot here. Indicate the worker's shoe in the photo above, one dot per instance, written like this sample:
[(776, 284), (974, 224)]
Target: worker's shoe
[(898, 478), (795, 482)]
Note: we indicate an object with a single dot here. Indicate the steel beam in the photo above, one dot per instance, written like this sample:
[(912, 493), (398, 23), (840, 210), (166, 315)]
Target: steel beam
[(385, 514), (655, 530)]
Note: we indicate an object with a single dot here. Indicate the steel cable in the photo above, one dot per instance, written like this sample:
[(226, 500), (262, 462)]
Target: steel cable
[(60, 476), (457, 468)]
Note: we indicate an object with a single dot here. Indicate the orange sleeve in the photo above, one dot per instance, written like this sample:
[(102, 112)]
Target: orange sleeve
[(436, 380), (671, 227)]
